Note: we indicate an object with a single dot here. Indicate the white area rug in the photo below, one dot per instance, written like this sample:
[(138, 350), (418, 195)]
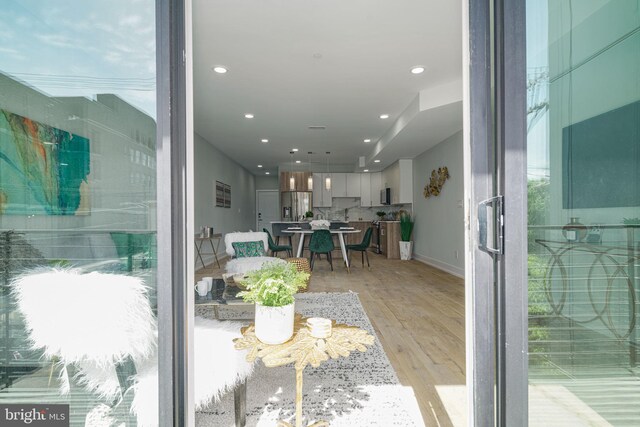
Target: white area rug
[(361, 390)]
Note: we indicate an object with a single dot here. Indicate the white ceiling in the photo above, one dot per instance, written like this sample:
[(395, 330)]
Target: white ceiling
[(337, 63)]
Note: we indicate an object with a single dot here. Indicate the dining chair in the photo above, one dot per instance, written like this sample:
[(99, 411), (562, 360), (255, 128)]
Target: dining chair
[(361, 247), (321, 243), (274, 248)]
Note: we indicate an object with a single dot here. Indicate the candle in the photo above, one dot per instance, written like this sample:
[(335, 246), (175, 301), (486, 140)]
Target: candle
[(319, 327)]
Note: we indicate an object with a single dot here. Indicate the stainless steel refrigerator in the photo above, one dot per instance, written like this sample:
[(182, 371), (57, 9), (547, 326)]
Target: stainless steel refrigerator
[(294, 204)]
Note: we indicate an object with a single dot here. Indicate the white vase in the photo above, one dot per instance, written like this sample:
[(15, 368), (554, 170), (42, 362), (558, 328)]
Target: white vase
[(406, 249), (274, 325)]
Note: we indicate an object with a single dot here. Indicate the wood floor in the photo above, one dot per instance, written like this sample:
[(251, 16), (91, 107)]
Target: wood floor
[(418, 314)]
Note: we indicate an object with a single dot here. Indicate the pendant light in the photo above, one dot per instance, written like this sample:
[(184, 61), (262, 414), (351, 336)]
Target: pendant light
[(310, 179), (327, 180), (292, 180)]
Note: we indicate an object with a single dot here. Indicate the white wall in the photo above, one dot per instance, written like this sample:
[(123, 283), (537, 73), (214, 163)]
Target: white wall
[(439, 221), (212, 165)]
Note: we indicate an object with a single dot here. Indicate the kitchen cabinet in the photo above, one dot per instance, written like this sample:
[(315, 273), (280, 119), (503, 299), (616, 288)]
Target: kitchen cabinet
[(375, 182), (365, 190), (300, 181), (390, 238), (399, 178), (321, 196), (339, 184), (353, 185)]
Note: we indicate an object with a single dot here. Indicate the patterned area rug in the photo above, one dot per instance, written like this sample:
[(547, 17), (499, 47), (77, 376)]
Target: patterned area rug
[(361, 390)]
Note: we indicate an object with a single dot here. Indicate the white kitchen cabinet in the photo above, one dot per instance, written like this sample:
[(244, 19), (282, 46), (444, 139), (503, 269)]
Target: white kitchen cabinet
[(339, 184), (353, 184), (365, 190), (375, 180), (399, 178), (321, 196)]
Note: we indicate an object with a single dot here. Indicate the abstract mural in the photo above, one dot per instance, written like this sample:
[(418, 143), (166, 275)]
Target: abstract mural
[(43, 170)]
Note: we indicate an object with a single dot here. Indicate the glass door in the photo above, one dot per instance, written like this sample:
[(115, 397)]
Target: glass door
[(583, 192)]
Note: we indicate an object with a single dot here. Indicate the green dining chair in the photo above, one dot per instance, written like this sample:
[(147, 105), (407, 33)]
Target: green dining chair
[(321, 243), (277, 248), (361, 247)]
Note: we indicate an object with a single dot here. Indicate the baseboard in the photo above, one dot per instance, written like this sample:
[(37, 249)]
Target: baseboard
[(209, 260), (451, 269)]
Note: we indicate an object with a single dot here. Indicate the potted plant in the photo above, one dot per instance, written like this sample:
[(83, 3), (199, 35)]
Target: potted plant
[(272, 288), (308, 214), (381, 214), (406, 228)]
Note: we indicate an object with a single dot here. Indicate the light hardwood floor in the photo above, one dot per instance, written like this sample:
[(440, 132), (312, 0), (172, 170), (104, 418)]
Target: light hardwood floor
[(418, 314)]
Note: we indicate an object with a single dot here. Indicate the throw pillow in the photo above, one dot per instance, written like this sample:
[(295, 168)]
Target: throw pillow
[(248, 249)]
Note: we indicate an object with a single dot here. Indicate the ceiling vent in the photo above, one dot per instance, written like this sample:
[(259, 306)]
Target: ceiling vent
[(317, 127)]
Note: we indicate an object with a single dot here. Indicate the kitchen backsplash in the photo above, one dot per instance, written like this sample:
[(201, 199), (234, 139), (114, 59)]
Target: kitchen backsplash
[(354, 211)]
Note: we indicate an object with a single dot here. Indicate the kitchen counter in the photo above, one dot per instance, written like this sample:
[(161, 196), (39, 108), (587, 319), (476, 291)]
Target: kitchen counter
[(303, 222)]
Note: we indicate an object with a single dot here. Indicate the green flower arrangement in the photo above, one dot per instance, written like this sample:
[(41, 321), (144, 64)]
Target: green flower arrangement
[(274, 284), (406, 227)]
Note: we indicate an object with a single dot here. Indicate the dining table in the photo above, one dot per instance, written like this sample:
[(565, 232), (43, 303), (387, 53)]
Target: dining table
[(339, 231)]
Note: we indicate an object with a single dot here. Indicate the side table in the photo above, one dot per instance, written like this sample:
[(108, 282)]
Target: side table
[(200, 240), (302, 350)]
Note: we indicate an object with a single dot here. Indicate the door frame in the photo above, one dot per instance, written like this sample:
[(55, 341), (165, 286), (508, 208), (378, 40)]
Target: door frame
[(266, 191), (494, 76), (175, 213)]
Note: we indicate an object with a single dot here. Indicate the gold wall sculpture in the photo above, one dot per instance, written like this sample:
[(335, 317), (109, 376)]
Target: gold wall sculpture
[(438, 177)]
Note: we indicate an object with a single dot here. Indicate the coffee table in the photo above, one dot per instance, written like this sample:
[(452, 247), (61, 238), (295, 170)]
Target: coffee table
[(302, 350), (223, 295)]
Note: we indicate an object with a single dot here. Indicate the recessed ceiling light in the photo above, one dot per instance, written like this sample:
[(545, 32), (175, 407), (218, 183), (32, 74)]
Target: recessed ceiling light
[(267, 173), (376, 161), (294, 150), (367, 140), (259, 166), (248, 116), (384, 116), (366, 170), (264, 140), (220, 70), (298, 161), (418, 69)]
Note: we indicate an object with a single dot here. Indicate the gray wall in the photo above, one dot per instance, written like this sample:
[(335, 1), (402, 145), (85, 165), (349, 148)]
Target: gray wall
[(439, 221), (267, 183), (212, 165)]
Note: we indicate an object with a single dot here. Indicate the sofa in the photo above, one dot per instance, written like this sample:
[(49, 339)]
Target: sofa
[(239, 265)]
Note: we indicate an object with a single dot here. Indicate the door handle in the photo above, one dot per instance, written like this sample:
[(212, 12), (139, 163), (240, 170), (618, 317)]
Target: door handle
[(493, 227)]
